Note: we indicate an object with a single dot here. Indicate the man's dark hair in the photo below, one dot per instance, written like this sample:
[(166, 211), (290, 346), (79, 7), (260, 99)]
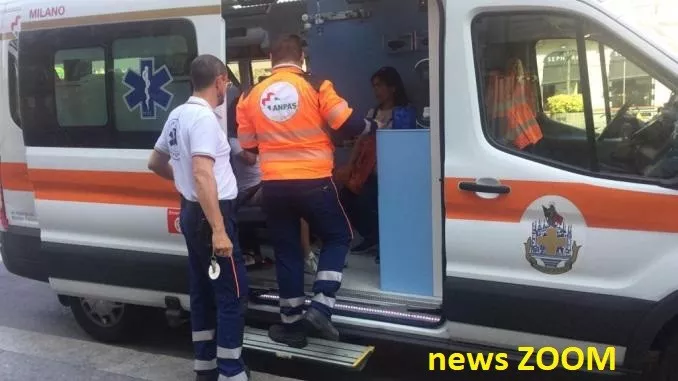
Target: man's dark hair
[(287, 48), (204, 71)]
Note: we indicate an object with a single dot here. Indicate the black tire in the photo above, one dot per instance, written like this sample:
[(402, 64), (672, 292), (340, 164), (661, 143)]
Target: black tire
[(668, 360), (118, 326)]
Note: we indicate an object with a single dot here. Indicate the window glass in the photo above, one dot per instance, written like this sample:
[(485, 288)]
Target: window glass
[(59, 71), (533, 81), (260, 70), (235, 69), (635, 137), (630, 84), (81, 93), (12, 83), (558, 66), (123, 77), (151, 78)]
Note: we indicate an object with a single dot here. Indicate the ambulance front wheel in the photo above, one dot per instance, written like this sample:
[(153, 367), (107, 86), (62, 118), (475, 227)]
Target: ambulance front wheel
[(105, 321)]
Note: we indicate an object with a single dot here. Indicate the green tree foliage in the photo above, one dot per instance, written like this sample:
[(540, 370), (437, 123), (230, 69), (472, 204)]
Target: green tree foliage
[(565, 103)]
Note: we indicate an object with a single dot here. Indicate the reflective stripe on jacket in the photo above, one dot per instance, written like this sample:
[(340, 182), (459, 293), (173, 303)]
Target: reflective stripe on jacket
[(511, 114)]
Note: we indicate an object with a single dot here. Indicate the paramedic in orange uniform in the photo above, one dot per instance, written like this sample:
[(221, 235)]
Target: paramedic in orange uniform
[(283, 119)]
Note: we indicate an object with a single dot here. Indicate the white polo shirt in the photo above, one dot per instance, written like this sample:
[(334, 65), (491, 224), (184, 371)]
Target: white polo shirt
[(193, 129)]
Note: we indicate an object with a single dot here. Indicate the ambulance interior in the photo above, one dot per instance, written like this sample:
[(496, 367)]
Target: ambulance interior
[(347, 42)]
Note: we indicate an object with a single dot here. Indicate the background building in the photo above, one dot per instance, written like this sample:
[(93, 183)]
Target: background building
[(558, 68)]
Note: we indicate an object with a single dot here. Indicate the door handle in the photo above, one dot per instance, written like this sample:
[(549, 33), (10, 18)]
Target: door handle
[(483, 188)]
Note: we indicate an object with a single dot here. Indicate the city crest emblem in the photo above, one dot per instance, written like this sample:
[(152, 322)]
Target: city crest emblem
[(551, 248)]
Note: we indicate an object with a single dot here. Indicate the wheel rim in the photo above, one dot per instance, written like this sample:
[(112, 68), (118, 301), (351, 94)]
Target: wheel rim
[(102, 312)]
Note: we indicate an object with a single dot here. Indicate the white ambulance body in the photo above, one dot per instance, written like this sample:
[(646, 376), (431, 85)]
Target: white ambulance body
[(485, 244)]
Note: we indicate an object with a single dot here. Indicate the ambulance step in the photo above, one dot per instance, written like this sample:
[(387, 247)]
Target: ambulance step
[(389, 314), (337, 353)]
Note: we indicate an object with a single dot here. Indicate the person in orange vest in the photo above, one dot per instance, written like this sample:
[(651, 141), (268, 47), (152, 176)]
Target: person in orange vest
[(289, 119), (248, 174)]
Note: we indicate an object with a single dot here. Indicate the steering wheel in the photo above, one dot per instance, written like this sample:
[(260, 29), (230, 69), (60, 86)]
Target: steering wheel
[(639, 134), (608, 130)]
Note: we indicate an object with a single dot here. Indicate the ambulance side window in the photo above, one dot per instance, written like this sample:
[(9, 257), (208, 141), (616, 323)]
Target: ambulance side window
[(162, 65), (80, 87), (13, 89), (103, 86), (553, 92)]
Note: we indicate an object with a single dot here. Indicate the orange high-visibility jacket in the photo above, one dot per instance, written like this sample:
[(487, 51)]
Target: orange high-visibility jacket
[(510, 110), (284, 117)]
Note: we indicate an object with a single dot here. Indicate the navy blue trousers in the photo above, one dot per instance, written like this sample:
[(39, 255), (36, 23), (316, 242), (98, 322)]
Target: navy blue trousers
[(316, 201), (217, 306)]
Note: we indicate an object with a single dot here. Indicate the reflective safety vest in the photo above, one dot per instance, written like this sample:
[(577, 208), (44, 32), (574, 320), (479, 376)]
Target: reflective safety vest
[(509, 100), (285, 116)]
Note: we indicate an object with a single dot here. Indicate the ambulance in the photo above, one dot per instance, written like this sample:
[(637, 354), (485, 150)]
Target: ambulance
[(510, 218)]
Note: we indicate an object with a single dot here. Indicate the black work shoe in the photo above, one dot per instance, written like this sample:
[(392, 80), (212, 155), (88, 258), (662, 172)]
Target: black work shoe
[(320, 325), (294, 337)]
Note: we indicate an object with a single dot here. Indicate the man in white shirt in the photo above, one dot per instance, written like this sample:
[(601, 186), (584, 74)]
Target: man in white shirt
[(193, 151)]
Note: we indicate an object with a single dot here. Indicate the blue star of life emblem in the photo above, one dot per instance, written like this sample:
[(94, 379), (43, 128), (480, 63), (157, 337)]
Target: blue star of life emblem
[(147, 88)]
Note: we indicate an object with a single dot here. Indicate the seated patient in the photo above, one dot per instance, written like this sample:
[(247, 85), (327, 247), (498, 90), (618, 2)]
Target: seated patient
[(359, 176)]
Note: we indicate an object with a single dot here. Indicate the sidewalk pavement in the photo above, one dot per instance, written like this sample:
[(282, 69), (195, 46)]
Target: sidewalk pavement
[(31, 356)]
